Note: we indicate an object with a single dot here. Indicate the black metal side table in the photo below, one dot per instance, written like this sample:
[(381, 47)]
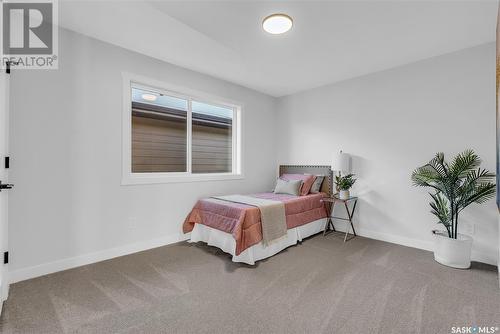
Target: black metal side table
[(330, 206)]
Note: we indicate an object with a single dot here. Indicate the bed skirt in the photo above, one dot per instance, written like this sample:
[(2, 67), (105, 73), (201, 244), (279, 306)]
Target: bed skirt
[(226, 242)]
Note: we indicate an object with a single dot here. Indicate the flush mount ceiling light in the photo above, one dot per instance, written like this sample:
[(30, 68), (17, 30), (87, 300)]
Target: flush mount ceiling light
[(277, 23), (149, 97)]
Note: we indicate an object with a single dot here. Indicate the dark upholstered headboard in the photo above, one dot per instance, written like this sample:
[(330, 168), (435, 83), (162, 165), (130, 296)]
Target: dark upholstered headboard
[(326, 187)]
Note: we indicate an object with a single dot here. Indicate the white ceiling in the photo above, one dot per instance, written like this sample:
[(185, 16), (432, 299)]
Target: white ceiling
[(331, 41)]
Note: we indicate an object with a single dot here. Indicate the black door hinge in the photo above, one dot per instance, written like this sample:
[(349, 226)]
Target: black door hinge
[(7, 162), (6, 257), (8, 65)]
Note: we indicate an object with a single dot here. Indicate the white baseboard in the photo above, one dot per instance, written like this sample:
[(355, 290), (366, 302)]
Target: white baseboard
[(415, 243), (396, 239), (64, 264)]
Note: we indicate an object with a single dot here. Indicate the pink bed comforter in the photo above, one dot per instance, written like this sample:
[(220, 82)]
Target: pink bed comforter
[(243, 221)]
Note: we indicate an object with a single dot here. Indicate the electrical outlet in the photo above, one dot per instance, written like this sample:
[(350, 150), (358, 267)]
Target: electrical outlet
[(132, 222), (466, 228)]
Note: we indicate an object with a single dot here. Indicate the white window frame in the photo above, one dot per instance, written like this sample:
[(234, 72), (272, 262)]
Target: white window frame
[(129, 178)]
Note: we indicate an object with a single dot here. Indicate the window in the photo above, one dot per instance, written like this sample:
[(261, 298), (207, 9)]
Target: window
[(212, 138), (173, 135), (159, 132)]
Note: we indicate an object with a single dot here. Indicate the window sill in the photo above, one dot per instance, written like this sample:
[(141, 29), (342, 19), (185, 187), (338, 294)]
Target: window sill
[(158, 178)]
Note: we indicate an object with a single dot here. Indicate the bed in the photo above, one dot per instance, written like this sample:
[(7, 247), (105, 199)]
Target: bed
[(236, 227)]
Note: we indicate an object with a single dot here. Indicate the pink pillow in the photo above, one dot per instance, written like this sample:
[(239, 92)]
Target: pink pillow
[(307, 181)]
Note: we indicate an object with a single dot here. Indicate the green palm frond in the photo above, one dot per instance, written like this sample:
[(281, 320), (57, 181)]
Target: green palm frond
[(426, 176), (484, 192), (439, 165), (464, 162), (440, 208), (475, 188)]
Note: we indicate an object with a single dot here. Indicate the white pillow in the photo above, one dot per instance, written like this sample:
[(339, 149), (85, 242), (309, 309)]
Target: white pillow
[(291, 187)]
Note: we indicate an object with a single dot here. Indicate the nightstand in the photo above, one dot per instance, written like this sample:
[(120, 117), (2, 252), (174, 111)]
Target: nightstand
[(330, 206)]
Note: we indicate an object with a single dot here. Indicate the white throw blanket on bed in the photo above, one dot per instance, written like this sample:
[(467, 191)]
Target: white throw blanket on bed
[(272, 215)]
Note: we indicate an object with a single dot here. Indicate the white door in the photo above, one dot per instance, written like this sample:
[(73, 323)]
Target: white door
[(4, 179)]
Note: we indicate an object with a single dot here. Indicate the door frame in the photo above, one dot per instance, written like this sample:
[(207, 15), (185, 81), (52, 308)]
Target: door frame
[(4, 177)]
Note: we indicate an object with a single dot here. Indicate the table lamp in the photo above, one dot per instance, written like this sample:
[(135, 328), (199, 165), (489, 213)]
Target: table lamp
[(340, 163)]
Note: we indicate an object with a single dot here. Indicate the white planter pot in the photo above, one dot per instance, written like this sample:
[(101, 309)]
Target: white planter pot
[(452, 252), (344, 194)]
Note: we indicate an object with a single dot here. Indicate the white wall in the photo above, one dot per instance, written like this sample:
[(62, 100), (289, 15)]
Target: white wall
[(392, 122), (68, 207)]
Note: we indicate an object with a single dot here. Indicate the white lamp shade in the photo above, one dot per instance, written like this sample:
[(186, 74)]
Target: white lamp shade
[(340, 162)]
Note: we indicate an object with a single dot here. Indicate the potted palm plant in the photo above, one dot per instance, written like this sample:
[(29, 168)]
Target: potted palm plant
[(454, 187), (344, 183)]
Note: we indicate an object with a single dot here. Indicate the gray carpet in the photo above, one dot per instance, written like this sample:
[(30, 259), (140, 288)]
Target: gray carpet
[(321, 286)]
